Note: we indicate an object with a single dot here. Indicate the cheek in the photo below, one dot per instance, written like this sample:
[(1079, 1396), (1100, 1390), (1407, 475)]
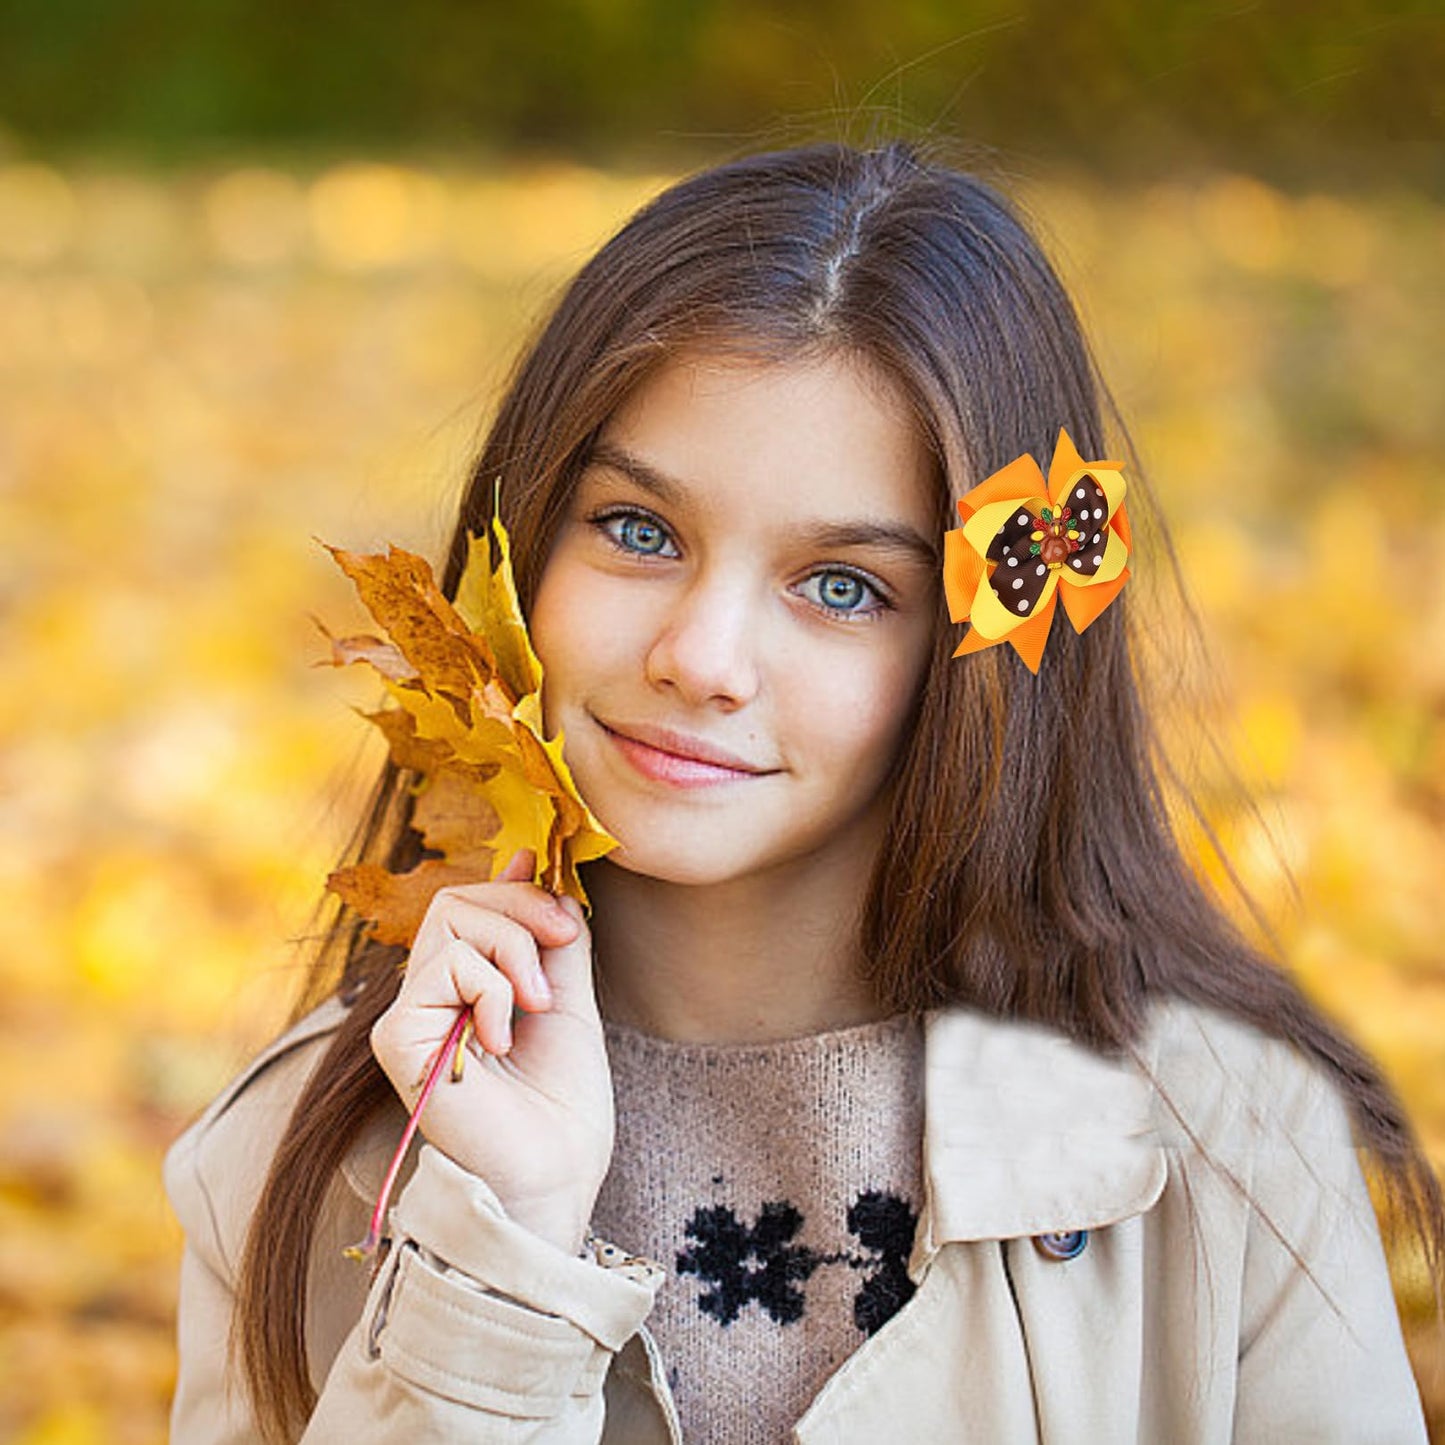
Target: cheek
[(580, 626), (857, 714), (558, 626)]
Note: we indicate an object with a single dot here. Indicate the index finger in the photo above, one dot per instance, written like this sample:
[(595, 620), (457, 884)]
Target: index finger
[(454, 911)]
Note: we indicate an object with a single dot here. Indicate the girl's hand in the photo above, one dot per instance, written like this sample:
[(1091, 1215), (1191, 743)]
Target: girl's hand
[(532, 1113)]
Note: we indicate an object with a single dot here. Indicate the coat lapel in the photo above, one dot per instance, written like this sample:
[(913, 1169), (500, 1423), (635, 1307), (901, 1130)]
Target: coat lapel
[(1025, 1133), (952, 1364)]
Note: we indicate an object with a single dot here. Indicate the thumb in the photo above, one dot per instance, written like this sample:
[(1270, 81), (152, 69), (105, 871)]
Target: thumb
[(518, 868), (569, 966)]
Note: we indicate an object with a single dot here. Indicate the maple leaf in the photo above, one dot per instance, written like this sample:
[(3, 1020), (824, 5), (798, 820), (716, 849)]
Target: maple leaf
[(380, 654), (397, 902), (467, 686)]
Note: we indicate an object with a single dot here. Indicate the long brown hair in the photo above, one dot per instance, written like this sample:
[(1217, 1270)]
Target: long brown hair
[(1031, 868)]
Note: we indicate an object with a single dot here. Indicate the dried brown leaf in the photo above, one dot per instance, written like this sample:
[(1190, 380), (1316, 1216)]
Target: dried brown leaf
[(400, 592), (362, 647), (422, 755), (454, 815), (396, 903)]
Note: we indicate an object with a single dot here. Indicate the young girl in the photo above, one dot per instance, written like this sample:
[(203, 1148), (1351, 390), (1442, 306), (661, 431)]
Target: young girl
[(904, 1084)]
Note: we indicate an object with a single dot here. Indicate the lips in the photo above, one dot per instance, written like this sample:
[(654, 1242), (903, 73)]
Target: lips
[(674, 757)]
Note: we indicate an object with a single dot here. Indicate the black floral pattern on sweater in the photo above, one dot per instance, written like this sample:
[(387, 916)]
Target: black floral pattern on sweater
[(742, 1263), (885, 1226), (762, 1262)]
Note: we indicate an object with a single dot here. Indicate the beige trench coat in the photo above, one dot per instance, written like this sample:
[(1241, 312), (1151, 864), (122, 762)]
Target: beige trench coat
[(1184, 1319)]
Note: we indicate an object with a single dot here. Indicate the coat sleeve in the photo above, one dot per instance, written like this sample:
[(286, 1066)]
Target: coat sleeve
[(208, 1407), (474, 1329), (1321, 1359), (477, 1330)]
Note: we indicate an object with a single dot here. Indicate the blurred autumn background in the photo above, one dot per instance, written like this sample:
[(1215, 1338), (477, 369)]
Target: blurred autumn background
[(261, 274)]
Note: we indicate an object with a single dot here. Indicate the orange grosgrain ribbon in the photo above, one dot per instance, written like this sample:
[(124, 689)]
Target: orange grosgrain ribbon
[(1024, 543)]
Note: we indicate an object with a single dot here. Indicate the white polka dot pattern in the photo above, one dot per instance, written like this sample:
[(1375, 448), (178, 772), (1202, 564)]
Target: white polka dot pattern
[(1012, 543)]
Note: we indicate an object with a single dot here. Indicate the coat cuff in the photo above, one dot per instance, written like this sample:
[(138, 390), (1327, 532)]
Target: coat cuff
[(457, 1218)]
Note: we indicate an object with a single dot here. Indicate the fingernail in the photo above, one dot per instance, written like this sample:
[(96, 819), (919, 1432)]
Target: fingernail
[(542, 987)]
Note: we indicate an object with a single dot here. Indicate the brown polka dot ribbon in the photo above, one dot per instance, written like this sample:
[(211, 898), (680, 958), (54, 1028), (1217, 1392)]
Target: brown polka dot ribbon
[(1025, 543)]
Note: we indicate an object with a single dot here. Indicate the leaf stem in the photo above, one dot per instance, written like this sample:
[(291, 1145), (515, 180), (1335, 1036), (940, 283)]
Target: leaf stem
[(453, 1041)]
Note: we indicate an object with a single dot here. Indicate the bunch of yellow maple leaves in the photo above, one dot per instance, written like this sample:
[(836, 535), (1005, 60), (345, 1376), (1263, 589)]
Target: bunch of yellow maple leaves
[(468, 720)]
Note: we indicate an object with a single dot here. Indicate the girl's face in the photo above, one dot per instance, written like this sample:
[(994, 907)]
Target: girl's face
[(736, 614)]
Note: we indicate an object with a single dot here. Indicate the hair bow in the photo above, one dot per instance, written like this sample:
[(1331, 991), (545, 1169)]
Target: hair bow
[(1025, 542)]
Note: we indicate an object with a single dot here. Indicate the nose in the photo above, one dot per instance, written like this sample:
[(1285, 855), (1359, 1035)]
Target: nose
[(706, 647)]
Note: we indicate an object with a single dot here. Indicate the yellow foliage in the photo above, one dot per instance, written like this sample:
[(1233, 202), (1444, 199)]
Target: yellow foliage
[(468, 688)]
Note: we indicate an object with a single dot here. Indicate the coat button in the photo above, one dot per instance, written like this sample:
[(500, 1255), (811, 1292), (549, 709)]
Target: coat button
[(1068, 1245)]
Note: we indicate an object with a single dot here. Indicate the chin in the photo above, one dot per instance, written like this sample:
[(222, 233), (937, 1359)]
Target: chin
[(695, 851), (692, 868), (693, 840)]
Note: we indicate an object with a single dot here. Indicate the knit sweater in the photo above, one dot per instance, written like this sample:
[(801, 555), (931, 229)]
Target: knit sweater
[(780, 1184)]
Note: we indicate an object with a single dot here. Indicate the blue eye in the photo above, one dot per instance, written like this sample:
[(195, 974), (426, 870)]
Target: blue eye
[(845, 593), (636, 532)]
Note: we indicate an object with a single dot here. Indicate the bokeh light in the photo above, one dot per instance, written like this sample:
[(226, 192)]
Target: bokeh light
[(203, 371)]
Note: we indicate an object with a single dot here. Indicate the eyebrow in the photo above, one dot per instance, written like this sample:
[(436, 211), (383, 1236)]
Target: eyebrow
[(883, 536)]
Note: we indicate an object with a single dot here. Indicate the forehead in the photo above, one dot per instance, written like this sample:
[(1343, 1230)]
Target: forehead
[(825, 436)]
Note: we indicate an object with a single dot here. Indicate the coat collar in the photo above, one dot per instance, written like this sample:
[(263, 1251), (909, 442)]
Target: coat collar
[(365, 1164), (1025, 1132), (1028, 1132)]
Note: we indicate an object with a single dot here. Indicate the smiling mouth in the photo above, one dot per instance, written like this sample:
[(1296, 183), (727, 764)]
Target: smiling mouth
[(685, 762)]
